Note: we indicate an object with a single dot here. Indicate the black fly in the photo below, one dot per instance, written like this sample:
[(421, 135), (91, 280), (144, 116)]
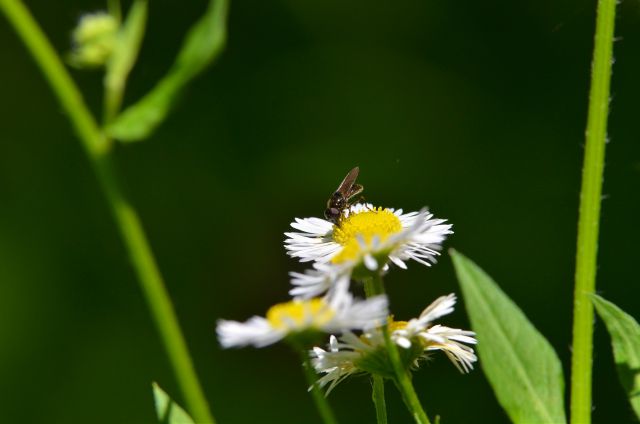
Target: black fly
[(342, 198)]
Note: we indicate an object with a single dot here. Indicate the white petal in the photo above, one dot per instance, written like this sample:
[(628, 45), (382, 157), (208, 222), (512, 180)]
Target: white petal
[(403, 342), (256, 331), (357, 314), (323, 278), (439, 307), (398, 262), (370, 262)]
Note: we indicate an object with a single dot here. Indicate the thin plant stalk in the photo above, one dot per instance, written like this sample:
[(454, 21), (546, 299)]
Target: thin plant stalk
[(377, 395), (588, 223), (402, 377), (113, 95), (97, 147), (322, 405), (377, 382)]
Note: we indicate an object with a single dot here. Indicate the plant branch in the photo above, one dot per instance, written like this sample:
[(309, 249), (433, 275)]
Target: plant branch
[(97, 147)]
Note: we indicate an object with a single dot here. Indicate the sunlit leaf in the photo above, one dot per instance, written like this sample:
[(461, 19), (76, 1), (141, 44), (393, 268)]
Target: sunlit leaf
[(127, 46), (625, 340), (202, 45), (520, 364), (167, 410)]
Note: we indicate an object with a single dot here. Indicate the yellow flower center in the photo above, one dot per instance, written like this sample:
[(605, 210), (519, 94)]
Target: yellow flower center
[(366, 225), (397, 325), (300, 314)]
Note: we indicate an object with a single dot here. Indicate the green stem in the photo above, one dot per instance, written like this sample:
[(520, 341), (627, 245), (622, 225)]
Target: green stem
[(97, 148), (588, 223), (324, 409), (59, 79), (377, 394), (155, 292), (375, 286), (113, 95)]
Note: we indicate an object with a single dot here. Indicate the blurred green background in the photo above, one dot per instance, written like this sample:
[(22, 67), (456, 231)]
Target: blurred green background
[(476, 109)]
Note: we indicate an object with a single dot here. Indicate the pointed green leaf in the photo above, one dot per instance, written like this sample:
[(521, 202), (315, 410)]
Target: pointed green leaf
[(625, 340), (520, 364), (167, 410), (127, 46), (203, 44), (125, 52)]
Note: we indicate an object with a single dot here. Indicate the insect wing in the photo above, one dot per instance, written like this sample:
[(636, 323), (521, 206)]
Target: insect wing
[(355, 190), (345, 187)]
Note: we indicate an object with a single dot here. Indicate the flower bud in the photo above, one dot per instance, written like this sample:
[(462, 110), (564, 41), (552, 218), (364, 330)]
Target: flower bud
[(93, 40)]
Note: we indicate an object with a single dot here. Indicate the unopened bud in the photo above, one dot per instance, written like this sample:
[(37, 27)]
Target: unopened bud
[(93, 40)]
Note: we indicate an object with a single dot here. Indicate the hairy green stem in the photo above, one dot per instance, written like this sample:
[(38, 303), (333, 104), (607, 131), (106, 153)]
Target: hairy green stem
[(402, 377), (588, 223), (97, 148), (324, 409)]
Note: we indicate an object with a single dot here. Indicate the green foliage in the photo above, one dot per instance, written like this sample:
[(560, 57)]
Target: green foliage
[(203, 44), (625, 340), (167, 410), (127, 46), (520, 364)]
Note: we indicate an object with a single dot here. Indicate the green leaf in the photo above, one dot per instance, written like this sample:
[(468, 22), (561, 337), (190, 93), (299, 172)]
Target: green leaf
[(520, 364), (167, 410), (625, 340), (202, 45), (127, 46)]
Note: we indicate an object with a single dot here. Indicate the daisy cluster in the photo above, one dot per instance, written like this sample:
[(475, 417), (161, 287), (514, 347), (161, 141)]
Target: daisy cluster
[(365, 241)]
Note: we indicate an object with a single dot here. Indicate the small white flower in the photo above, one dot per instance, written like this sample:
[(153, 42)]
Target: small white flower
[(351, 354), (437, 337), (337, 364), (441, 306), (329, 314), (365, 230), (366, 236)]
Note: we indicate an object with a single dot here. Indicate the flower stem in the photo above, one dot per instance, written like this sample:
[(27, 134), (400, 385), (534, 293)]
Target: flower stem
[(373, 287), (377, 394), (588, 223), (324, 409), (97, 147)]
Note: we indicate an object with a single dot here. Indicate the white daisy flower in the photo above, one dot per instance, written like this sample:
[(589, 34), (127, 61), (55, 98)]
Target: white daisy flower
[(329, 314), (337, 364), (352, 355), (365, 235), (437, 337), (363, 231)]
